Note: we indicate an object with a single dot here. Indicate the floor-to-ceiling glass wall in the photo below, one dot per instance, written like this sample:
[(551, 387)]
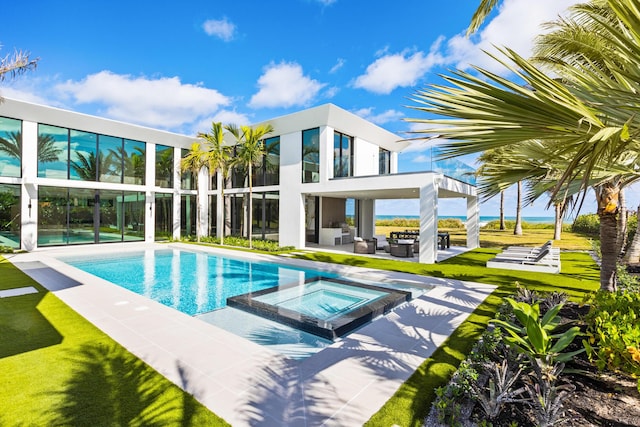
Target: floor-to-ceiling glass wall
[(133, 204), (10, 215), (265, 215), (53, 216), (164, 216), (83, 219), (188, 213)]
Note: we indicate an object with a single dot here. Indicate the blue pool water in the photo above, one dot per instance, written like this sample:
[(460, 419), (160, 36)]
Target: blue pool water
[(191, 282), (321, 299)]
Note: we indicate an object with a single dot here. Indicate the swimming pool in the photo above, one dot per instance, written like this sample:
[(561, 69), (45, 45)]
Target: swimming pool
[(200, 284), (189, 281)]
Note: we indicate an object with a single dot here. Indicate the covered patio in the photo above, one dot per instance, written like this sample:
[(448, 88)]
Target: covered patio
[(427, 187)]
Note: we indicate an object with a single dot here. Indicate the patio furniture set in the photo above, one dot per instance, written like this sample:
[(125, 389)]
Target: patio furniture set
[(403, 244)]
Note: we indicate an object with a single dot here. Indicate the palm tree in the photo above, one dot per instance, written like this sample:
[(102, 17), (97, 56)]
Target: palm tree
[(251, 151), (218, 159), (195, 160), (17, 64), (587, 123)]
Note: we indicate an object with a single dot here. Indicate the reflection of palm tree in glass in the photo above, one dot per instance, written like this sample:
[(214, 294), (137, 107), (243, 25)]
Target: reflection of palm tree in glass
[(133, 164), (47, 151), (164, 168), (87, 167)]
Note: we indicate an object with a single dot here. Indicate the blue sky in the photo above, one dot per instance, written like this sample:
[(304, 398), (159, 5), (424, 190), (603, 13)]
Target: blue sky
[(180, 66)]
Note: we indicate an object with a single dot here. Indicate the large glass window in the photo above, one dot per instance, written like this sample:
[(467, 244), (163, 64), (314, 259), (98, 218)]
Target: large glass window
[(311, 155), (133, 206), (10, 147), (134, 162), (164, 216), (164, 166), (82, 216), (110, 158), (83, 157), (238, 174), (342, 155), (188, 212), (188, 178), (269, 171), (265, 215), (111, 218), (213, 215), (10, 215), (384, 159), (53, 152), (53, 216)]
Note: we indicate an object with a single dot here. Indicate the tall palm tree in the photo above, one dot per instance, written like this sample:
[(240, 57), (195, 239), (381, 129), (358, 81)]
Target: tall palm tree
[(218, 161), (251, 152), (589, 118), (195, 160)]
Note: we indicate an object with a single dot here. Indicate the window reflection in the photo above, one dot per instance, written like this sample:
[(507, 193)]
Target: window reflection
[(10, 215), (85, 163), (53, 152), (311, 155), (10, 147), (164, 166)]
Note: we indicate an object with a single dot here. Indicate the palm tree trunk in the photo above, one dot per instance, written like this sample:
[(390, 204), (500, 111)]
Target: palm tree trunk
[(607, 197), (502, 227), (621, 241), (632, 255), (518, 228), (198, 213), (557, 226)]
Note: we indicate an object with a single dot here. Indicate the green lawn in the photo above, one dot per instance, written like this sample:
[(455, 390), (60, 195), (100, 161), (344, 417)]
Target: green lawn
[(56, 368), (412, 401)]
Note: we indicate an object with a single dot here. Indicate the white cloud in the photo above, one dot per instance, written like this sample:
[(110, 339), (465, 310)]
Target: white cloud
[(339, 64), (221, 28), (403, 69), (326, 2), (516, 25), (285, 85), (165, 103), (379, 119)]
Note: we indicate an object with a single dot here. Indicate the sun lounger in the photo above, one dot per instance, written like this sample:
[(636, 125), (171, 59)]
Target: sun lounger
[(543, 262)]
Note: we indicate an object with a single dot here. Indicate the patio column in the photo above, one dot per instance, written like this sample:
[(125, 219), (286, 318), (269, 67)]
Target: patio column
[(177, 181), (428, 253), (291, 217), (203, 202), (150, 195), (367, 221), (473, 222), (29, 190)]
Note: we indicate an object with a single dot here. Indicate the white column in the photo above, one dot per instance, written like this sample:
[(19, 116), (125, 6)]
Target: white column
[(326, 153), (203, 201), (291, 216), (177, 175), (150, 202), (28, 189), (367, 219), (473, 222), (219, 206), (428, 253)]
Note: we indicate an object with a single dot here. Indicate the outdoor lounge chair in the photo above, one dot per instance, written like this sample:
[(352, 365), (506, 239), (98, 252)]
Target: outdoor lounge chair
[(544, 262), (362, 246), (381, 241)]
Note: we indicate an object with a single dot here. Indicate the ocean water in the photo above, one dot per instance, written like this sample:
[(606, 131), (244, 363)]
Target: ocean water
[(483, 219)]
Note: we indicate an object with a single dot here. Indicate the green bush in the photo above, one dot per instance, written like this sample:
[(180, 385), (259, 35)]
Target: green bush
[(399, 222), (511, 224), (450, 223), (257, 244), (587, 224), (613, 330)]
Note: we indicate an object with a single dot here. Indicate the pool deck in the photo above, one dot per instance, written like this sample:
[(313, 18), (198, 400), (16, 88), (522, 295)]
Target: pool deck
[(245, 383)]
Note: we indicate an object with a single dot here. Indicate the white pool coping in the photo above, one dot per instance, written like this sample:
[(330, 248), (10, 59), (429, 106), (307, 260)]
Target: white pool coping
[(245, 383)]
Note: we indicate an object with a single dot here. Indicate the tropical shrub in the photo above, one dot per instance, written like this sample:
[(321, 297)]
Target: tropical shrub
[(613, 331), (450, 223), (586, 224), (242, 242), (510, 225)]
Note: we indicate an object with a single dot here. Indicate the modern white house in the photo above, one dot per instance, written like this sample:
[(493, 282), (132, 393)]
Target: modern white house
[(68, 178)]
